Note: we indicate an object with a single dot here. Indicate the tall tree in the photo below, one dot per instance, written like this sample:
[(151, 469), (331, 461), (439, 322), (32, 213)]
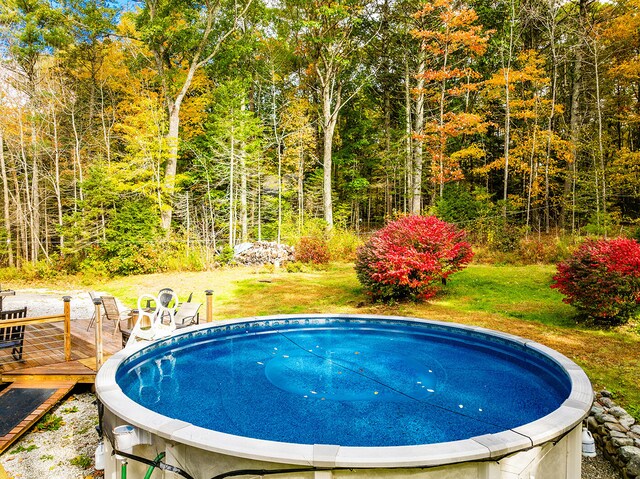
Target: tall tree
[(329, 40), (451, 43), (183, 37)]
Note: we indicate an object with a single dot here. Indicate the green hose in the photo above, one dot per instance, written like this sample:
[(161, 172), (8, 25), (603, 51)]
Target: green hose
[(123, 470), (158, 458)]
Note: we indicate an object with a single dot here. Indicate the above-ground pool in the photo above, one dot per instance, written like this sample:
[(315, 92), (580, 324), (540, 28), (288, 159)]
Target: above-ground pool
[(344, 392)]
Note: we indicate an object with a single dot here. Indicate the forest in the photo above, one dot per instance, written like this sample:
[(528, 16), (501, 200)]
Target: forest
[(134, 136)]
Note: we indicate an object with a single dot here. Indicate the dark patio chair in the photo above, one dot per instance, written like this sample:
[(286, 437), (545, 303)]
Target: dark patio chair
[(13, 336), (112, 312)]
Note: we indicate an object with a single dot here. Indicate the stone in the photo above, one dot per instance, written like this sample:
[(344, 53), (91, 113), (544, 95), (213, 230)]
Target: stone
[(602, 418), (627, 421), (633, 467), (617, 434), (605, 393), (621, 441), (636, 442), (629, 452), (263, 252), (635, 429), (606, 402), (617, 411), (614, 426), (592, 424), (596, 410)]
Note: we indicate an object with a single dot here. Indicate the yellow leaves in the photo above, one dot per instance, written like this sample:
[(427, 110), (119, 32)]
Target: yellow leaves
[(299, 136), (193, 111), (628, 70), (470, 153), (438, 75), (624, 171)]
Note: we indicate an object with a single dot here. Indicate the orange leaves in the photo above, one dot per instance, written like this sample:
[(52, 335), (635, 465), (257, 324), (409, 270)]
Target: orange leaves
[(453, 31), (451, 42)]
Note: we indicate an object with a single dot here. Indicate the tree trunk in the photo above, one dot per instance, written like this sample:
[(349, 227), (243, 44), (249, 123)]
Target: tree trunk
[(574, 123), (35, 194), (507, 116), (56, 179), (408, 151), (232, 225), (601, 165), (554, 84), (416, 197), (171, 164), (329, 120), (6, 205)]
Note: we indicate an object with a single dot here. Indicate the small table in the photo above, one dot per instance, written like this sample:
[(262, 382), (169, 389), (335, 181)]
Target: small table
[(5, 292)]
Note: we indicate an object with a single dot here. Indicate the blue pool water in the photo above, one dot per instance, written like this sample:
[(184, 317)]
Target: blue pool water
[(350, 383)]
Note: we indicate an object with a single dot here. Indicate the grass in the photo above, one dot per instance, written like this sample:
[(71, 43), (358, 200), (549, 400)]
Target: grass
[(83, 461), (516, 292), (514, 299), (49, 422), (20, 448)]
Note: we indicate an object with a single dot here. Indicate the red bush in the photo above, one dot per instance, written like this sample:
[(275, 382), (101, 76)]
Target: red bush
[(312, 250), (411, 257), (602, 279)]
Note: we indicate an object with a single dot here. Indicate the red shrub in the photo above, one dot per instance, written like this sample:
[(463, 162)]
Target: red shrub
[(411, 257), (312, 250), (602, 279)]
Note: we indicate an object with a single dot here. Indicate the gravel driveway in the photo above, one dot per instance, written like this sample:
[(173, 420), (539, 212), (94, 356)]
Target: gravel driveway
[(43, 302)]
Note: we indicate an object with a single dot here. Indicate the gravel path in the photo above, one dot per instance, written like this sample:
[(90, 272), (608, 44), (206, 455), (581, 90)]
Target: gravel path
[(52, 454)]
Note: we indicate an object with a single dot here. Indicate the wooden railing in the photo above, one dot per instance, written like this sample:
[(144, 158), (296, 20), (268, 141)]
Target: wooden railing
[(65, 317)]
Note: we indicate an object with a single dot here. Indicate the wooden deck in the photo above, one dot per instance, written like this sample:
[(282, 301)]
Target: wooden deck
[(43, 365), (43, 356)]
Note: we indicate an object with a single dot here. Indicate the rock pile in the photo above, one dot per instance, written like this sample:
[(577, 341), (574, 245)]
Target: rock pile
[(262, 252), (616, 434)]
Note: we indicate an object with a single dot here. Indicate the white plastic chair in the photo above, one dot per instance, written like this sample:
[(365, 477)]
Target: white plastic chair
[(150, 324)]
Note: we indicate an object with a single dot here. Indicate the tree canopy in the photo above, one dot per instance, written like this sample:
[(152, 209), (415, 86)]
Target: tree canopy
[(178, 126)]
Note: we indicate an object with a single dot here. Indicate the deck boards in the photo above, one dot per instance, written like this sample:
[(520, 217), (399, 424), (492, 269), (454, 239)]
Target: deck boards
[(44, 349)]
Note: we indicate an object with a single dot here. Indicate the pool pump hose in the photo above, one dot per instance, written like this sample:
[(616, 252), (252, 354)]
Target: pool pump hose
[(123, 470), (153, 464), (157, 460)]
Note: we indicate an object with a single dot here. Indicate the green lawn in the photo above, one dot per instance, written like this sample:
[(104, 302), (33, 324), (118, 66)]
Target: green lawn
[(514, 299), (518, 292)]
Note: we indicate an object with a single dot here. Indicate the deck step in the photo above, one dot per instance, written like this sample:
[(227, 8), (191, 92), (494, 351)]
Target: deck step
[(73, 371), (37, 394)]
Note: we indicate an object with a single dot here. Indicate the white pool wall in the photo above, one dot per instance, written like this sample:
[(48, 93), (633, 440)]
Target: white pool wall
[(560, 460)]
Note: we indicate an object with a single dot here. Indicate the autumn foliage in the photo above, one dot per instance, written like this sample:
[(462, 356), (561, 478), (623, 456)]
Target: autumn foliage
[(312, 250), (602, 280), (411, 257)]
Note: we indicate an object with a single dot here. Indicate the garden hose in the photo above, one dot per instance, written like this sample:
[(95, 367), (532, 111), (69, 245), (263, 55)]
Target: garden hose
[(123, 470), (156, 461)]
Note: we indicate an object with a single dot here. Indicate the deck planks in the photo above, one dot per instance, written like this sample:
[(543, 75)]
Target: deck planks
[(44, 349)]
